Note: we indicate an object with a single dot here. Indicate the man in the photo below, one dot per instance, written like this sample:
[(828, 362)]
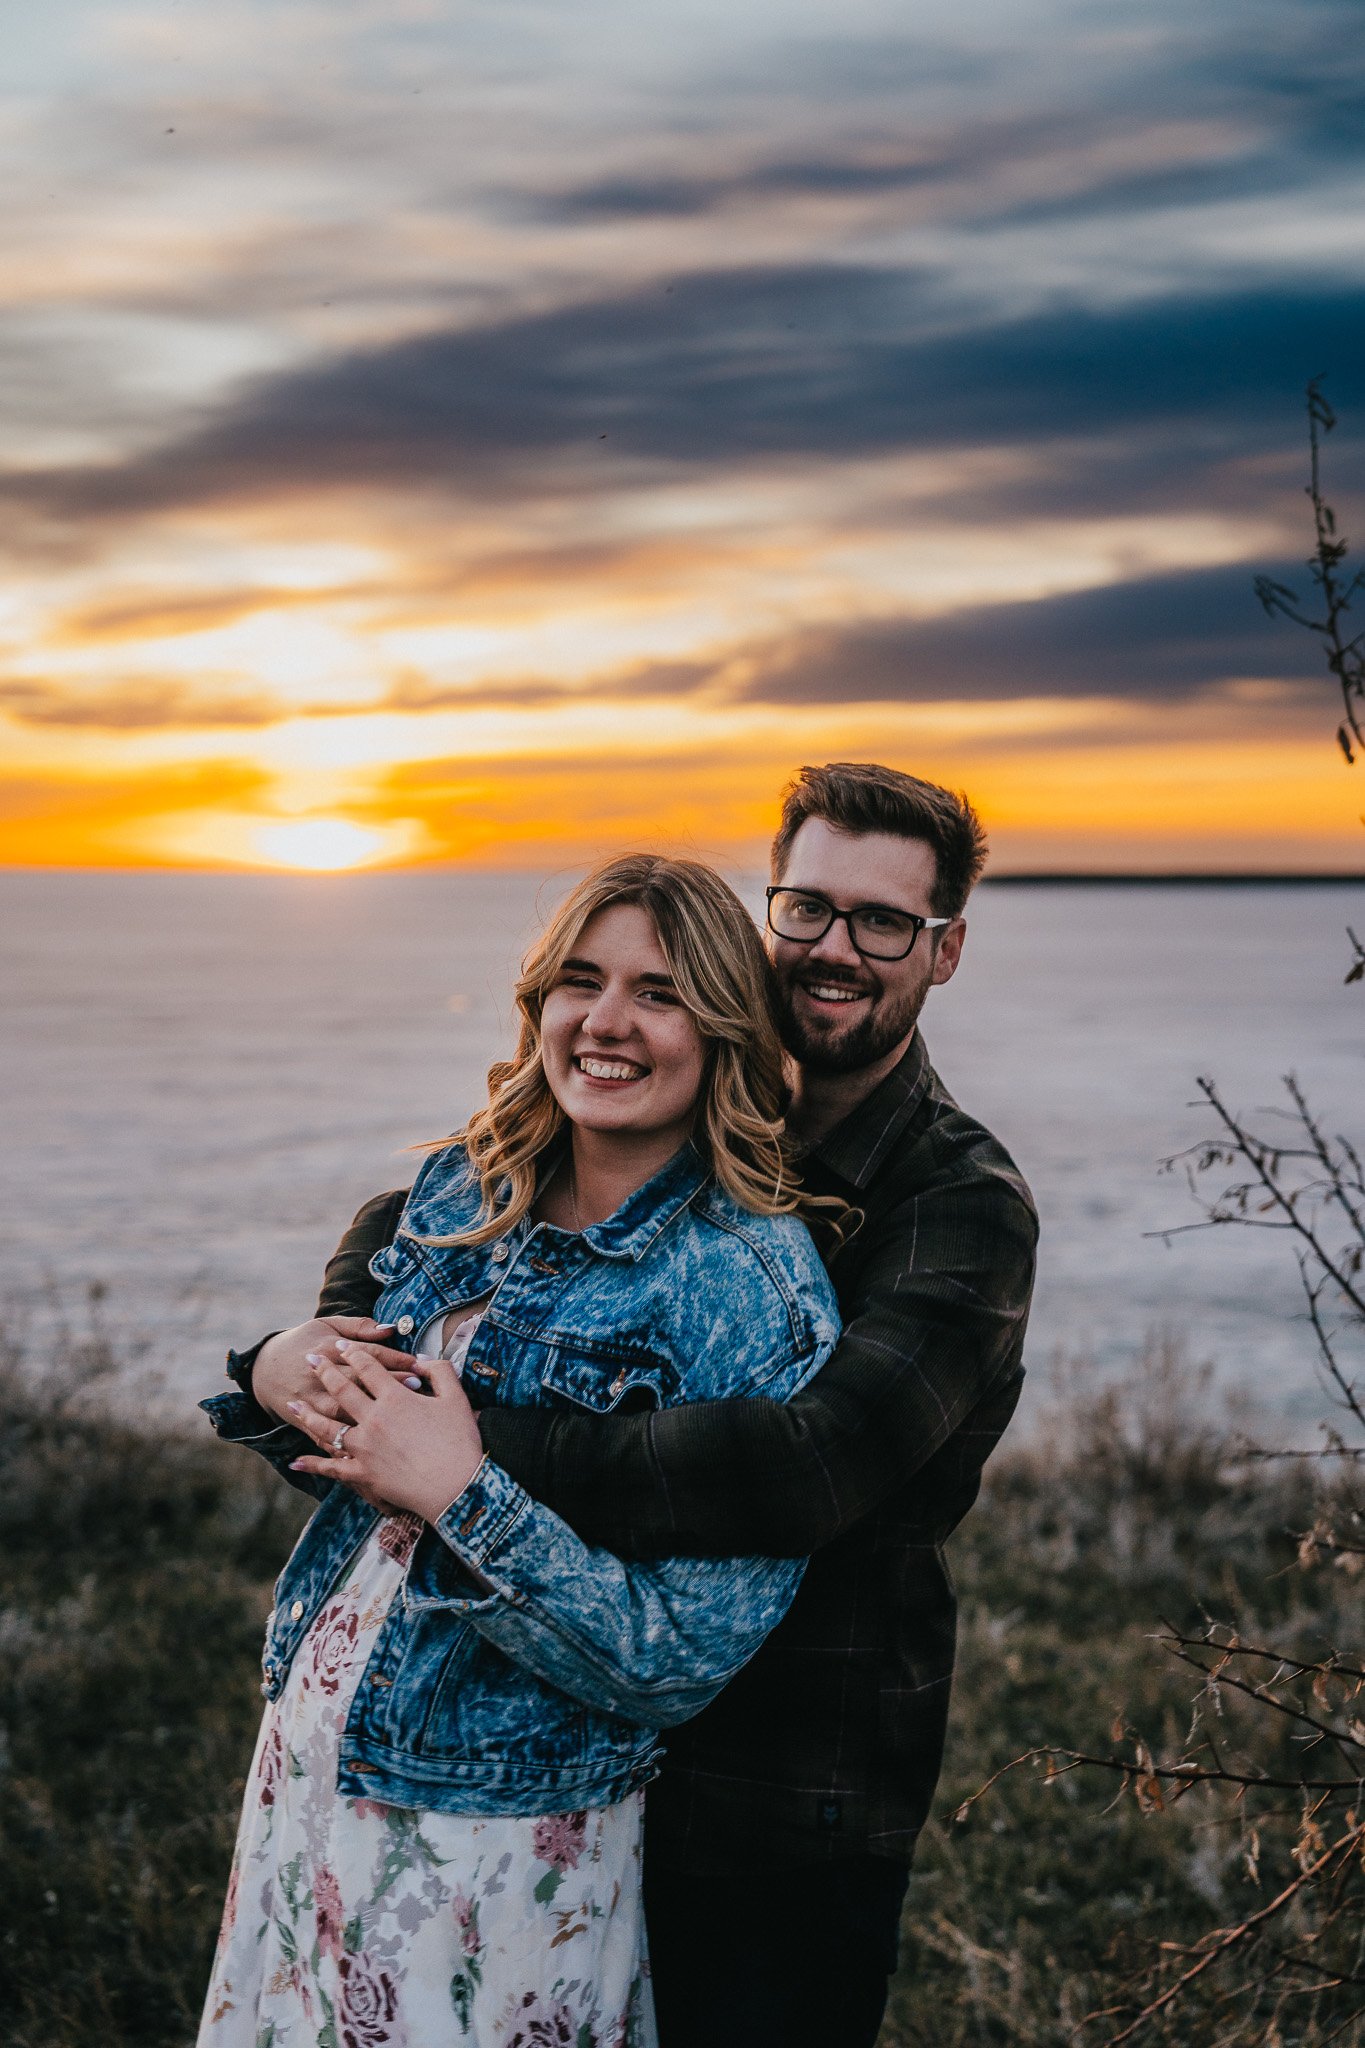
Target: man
[(780, 1832)]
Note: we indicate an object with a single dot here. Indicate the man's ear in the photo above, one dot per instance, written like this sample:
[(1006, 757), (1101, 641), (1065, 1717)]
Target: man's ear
[(948, 951)]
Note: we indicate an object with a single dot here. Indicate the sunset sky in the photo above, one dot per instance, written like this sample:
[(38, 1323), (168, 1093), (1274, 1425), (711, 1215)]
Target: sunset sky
[(508, 430)]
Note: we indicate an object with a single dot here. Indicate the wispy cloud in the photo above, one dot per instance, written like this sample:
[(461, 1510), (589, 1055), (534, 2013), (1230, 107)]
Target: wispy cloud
[(633, 377), (148, 704), (727, 368)]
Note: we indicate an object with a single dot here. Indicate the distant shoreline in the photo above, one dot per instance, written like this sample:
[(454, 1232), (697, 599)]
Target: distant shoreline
[(1157, 880), (1081, 878)]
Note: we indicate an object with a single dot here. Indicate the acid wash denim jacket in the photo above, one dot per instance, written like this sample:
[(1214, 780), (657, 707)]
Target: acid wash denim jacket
[(541, 1684)]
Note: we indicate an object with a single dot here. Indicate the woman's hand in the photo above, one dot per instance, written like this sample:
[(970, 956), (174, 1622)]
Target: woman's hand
[(416, 1451)]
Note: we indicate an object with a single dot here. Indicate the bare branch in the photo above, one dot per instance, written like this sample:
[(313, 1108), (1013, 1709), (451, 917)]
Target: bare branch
[(1227, 1938)]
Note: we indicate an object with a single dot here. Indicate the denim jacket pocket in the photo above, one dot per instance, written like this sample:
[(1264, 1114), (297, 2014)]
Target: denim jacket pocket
[(602, 1382)]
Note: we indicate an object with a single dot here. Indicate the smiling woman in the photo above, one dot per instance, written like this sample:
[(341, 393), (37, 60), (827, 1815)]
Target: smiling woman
[(457, 1684)]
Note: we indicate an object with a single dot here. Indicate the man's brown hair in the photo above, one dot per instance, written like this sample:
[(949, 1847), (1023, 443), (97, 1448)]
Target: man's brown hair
[(861, 796)]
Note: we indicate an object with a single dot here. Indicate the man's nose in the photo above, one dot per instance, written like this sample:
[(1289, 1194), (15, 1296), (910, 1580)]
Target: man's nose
[(835, 948)]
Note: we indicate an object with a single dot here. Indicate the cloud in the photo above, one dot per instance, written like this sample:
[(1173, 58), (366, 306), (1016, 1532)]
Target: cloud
[(636, 682), (683, 195), (1156, 637), (53, 819), (150, 704), (728, 368), (155, 616)]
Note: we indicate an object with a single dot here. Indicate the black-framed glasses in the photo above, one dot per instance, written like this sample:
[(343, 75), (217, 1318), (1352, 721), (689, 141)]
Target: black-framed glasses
[(875, 930)]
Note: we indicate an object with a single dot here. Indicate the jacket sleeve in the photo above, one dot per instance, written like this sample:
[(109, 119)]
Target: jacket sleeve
[(652, 1643), (348, 1289), (939, 1313), (348, 1286), (238, 1418)]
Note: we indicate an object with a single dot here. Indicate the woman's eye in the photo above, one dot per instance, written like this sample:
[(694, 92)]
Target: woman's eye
[(660, 995)]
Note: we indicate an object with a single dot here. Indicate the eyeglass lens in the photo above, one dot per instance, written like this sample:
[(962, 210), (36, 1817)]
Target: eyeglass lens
[(879, 933)]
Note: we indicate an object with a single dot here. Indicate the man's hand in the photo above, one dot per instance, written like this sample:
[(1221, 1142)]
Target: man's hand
[(283, 1374), (406, 1449)]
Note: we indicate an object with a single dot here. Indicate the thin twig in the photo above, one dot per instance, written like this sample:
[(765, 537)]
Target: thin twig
[(1228, 1938)]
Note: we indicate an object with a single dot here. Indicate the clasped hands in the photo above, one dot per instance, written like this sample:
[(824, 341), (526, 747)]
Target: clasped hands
[(401, 1448)]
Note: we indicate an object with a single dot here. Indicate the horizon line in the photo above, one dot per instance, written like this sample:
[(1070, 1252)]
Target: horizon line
[(1190, 878), (1121, 878)]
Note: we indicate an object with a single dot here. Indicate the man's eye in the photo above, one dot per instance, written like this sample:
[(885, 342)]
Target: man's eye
[(884, 920), (809, 906)]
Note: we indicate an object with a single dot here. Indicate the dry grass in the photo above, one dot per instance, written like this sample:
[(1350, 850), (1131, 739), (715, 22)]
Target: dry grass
[(135, 1569)]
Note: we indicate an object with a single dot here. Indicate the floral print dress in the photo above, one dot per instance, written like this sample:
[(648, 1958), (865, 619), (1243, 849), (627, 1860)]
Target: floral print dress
[(350, 1924)]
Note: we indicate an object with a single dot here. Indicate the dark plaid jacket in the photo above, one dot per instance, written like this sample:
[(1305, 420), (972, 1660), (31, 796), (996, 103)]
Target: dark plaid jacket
[(829, 1743)]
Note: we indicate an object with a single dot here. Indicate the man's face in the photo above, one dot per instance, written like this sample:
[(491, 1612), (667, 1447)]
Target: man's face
[(837, 1011)]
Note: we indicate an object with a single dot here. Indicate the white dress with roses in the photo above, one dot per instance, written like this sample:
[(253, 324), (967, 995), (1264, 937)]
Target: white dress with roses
[(354, 1925)]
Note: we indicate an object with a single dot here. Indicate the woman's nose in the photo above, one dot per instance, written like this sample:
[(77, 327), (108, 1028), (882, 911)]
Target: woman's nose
[(609, 1016)]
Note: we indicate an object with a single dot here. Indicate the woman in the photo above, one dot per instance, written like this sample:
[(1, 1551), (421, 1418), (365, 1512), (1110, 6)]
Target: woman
[(442, 1826)]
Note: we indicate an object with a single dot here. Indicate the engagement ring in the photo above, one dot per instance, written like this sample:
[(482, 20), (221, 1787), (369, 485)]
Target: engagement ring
[(339, 1439)]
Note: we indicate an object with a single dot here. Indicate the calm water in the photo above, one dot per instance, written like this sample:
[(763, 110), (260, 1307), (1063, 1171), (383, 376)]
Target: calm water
[(205, 1075)]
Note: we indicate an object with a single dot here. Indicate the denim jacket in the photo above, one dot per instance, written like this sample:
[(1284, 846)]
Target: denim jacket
[(540, 1685)]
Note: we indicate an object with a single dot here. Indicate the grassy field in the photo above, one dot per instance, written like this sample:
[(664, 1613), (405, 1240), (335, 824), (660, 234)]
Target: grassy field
[(134, 1580)]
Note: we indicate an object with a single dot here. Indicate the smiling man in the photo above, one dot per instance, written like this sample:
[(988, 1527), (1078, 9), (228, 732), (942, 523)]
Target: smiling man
[(780, 1832)]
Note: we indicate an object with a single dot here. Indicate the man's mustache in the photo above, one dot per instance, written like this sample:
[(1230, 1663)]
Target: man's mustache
[(835, 977)]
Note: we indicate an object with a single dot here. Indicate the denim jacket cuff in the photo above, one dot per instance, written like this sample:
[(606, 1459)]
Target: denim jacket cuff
[(481, 1517), (452, 1565), (240, 1419)]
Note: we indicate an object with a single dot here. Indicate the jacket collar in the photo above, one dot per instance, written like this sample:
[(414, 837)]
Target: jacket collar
[(858, 1144), (631, 1230)]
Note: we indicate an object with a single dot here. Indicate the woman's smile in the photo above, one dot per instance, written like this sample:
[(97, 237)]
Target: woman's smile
[(608, 1070)]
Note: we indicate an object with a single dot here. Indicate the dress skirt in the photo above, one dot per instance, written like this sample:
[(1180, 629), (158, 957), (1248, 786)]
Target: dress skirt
[(351, 1924)]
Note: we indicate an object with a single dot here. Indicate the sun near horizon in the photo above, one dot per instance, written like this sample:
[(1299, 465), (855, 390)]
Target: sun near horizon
[(319, 845)]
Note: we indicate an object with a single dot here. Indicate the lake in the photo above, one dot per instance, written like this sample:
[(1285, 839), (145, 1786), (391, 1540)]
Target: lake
[(206, 1074)]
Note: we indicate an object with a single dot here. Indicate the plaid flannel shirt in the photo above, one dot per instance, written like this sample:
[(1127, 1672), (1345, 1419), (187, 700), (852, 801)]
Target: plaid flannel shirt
[(830, 1742)]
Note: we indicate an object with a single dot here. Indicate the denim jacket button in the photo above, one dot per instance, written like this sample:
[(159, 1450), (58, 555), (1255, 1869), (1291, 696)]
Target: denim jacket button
[(498, 1254), (296, 1611), (405, 1326)]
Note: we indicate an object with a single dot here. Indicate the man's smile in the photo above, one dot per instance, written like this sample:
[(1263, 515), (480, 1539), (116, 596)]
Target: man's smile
[(832, 992)]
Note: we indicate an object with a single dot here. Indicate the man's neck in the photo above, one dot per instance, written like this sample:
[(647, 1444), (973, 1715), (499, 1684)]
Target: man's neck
[(820, 1101)]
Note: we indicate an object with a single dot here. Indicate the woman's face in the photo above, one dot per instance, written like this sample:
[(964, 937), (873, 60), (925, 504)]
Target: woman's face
[(621, 1052)]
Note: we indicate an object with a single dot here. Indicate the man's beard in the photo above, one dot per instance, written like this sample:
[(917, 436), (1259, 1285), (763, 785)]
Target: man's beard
[(887, 1021)]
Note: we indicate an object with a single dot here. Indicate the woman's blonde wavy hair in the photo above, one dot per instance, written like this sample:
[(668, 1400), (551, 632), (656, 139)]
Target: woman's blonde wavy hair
[(721, 973)]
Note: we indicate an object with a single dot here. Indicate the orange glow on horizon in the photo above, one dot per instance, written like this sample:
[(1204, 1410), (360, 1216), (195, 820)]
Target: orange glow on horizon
[(1203, 804)]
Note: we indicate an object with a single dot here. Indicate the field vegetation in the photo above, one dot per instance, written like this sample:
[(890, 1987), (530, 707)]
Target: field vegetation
[(135, 1572)]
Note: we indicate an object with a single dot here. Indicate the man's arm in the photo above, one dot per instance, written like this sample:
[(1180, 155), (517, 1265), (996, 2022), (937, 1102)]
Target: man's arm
[(274, 1368), (348, 1279), (942, 1302)]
